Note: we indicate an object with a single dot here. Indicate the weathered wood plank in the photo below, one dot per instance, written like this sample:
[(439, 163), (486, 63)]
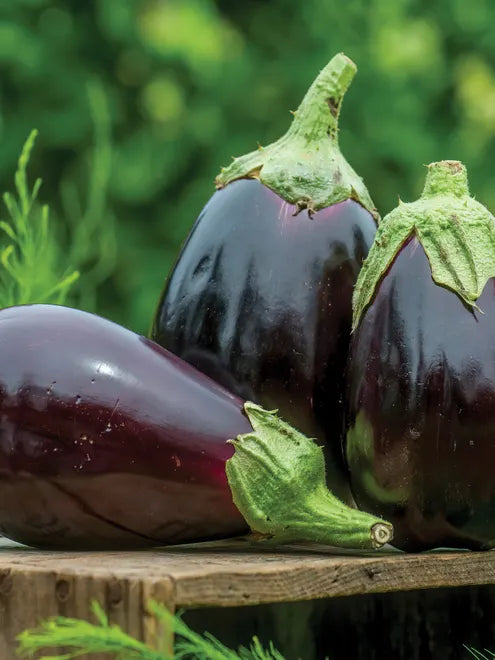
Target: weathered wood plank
[(237, 573), (36, 584)]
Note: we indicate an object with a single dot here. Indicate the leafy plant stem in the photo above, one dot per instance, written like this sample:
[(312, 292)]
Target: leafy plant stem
[(82, 637), (31, 271)]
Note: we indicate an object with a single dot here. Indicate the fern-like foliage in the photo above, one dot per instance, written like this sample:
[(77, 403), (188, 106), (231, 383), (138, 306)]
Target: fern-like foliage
[(30, 263), (206, 647), (81, 637), (479, 655)]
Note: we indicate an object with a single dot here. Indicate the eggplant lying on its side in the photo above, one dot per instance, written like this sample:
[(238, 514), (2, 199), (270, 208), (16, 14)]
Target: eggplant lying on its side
[(260, 296), (421, 399), (109, 440)]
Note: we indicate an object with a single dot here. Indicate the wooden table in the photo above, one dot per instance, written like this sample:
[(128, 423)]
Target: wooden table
[(36, 584)]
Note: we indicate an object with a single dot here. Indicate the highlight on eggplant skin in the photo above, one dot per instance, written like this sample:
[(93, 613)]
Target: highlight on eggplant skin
[(260, 295), (106, 439), (421, 378)]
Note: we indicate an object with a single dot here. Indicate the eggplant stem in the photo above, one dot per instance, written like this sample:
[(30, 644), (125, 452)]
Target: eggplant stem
[(305, 167), (318, 113), (277, 479), (381, 533), (456, 232), (446, 177)]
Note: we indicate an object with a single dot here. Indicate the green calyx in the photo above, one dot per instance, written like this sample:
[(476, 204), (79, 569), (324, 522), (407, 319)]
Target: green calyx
[(457, 234), (305, 166), (277, 478)]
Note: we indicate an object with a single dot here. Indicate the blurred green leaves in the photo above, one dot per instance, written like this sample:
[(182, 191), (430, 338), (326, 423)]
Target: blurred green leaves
[(82, 637), (475, 82), (187, 84), (90, 222), (192, 30), (32, 263)]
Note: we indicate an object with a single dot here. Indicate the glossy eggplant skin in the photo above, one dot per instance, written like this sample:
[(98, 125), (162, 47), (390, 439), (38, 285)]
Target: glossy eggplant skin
[(106, 439), (421, 409), (260, 300)]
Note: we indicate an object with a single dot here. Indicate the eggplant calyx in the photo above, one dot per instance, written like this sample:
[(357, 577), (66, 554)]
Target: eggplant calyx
[(305, 166), (277, 479), (456, 232)]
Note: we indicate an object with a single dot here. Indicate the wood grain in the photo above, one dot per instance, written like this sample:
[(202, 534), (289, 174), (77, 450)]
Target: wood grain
[(239, 573), (35, 584)]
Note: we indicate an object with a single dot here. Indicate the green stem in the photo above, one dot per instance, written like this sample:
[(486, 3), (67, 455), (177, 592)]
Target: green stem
[(456, 232), (277, 478), (318, 113), (447, 177), (305, 166)]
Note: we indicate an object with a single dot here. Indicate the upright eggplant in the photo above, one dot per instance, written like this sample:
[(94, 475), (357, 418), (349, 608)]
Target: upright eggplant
[(108, 440), (260, 296), (421, 398)]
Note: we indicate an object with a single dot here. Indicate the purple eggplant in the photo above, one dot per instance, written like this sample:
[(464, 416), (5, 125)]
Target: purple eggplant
[(421, 374), (108, 440), (260, 296)]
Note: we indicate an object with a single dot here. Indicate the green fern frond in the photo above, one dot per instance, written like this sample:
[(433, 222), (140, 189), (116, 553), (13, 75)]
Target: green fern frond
[(488, 655), (81, 637), (191, 643), (206, 647), (31, 271)]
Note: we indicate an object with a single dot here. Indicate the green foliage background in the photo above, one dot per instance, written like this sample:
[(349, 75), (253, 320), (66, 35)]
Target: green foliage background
[(139, 102)]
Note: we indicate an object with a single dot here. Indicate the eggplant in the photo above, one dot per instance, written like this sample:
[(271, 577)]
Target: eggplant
[(420, 403), (260, 295), (107, 440)]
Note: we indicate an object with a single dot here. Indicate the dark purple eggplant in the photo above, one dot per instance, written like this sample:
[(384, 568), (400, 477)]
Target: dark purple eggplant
[(260, 296), (109, 440), (421, 375)]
